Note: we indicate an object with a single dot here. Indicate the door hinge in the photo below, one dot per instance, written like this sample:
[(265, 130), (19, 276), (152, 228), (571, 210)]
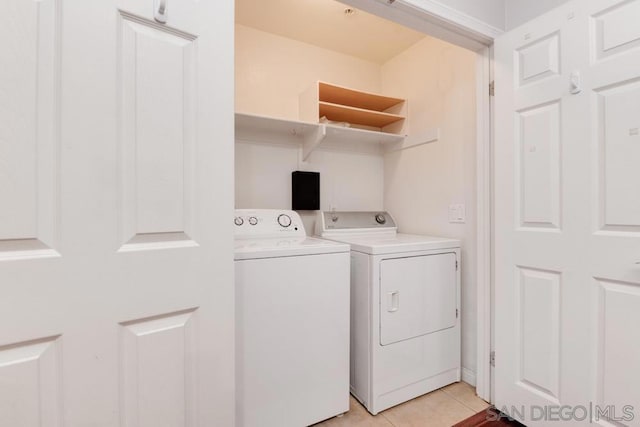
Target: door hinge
[(456, 265), (492, 88), (457, 313), (492, 359)]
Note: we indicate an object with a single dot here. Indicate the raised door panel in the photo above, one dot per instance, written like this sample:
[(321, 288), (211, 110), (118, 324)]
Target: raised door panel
[(616, 29), (157, 119), (538, 60), (618, 352), (417, 296), (539, 332), (618, 156), (29, 127), (30, 386), (539, 165), (157, 379)]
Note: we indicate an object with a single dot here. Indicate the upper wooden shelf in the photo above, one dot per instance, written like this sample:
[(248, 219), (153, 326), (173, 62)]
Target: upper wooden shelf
[(359, 109), (357, 116), (344, 96)]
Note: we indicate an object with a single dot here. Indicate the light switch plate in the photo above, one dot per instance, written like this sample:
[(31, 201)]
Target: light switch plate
[(457, 214)]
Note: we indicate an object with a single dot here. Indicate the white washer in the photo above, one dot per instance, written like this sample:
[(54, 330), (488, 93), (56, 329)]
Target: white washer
[(405, 308), (292, 322)]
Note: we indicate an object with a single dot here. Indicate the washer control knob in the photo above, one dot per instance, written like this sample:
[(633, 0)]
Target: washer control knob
[(284, 220), (253, 220), (380, 219), (238, 221)]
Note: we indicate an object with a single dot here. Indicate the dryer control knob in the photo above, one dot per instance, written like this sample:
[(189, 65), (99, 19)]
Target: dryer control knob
[(238, 221), (253, 220), (380, 219), (284, 220)]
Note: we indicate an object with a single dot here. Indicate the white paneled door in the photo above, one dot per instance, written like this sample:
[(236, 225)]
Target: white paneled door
[(567, 173), (116, 266)]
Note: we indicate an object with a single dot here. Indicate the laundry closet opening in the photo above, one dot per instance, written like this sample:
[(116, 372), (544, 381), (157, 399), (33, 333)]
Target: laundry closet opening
[(421, 169)]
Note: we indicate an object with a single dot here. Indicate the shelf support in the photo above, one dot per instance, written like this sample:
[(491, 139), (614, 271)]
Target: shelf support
[(430, 135), (312, 140)]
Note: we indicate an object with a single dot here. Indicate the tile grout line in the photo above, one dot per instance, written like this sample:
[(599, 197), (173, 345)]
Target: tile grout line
[(462, 403), (388, 420), (448, 395)]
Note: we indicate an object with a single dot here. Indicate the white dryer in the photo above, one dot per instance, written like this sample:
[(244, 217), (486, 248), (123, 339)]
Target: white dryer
[(292, 322), (405, 308)]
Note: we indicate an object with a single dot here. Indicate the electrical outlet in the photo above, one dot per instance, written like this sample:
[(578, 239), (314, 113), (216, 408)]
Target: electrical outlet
[(457, 214)]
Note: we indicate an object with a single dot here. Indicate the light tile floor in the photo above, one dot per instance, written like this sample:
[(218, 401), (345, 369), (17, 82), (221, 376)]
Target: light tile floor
[(441, 408)]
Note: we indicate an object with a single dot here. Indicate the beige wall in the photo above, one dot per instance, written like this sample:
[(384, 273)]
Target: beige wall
[(271, 71), (439, 81)]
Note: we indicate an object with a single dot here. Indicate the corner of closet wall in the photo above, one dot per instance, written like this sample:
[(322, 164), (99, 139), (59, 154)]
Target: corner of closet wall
[(439, 82), (271, 72)]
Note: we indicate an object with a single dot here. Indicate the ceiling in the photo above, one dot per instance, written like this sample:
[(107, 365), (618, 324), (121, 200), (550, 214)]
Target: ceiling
[(324, 23)]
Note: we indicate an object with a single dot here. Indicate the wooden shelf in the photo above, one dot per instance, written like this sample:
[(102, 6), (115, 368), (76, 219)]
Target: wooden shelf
[(309, 135), (363, 109), (340, 95), (357, 116)]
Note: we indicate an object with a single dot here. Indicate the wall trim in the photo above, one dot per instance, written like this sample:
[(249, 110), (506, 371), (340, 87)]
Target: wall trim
[(456, 18), (434, 19), (484, 246), (468, 376)]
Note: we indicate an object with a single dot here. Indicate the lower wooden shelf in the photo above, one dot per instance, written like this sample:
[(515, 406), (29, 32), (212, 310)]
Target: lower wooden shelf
[(357, 116)]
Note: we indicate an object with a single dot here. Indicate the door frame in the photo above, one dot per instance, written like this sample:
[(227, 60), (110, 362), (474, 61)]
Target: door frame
[(484, 230), (445, 23)]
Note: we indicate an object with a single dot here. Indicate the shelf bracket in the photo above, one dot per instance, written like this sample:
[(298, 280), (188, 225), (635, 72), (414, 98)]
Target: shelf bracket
[(430, 135), (312, 140)]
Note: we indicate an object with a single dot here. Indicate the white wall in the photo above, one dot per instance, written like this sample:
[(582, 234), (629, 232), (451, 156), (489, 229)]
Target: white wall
[(270, 73), (439, 81), (263, 178), (520, 11)]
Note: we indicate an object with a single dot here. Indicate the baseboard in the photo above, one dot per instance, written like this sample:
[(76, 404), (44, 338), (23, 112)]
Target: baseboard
[(468, 376)]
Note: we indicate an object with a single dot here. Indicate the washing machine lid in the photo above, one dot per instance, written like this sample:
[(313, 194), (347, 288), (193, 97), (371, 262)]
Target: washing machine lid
[(381, 243), (246, 249)]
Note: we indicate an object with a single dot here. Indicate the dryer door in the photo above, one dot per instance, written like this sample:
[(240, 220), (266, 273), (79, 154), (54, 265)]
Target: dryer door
[(417, 296)]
